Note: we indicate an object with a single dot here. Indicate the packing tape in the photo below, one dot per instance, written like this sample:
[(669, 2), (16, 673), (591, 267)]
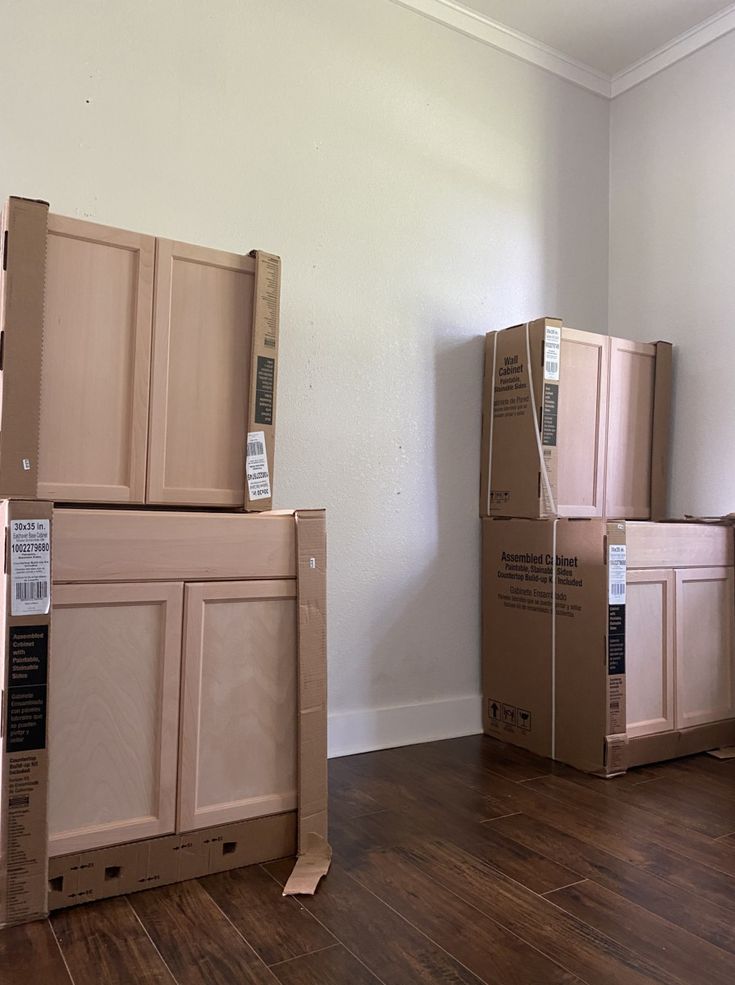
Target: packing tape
[(535, 425), (492, 422)]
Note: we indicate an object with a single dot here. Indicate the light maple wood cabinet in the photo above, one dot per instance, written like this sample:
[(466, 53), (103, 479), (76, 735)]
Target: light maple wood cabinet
[(144, 381), (173, 703), (680, 645)]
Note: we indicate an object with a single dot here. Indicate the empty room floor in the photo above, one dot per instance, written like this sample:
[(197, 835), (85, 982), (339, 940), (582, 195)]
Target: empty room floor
[(458, 861)]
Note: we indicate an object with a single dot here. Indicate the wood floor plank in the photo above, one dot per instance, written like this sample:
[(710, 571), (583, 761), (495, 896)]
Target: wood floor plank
[(104, 944), (686, 957), (702, 918), (333, 966), (347, 799), (394, 950), (31, 950), (564, 941), (277, 928), (195, 938)]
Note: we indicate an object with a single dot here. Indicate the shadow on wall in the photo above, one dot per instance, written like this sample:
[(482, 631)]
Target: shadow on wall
[(430, 649)]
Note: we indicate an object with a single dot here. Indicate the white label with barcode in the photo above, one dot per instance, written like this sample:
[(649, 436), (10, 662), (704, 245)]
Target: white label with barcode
[(256, 466), (616, 566), (30, 567), (552, 353)]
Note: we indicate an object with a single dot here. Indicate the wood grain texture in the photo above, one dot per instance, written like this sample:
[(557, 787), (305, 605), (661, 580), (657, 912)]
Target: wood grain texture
[(202, 336), (332, 966), (113, 714), (105, 944), (31, 949), (238, 721), (117, 545), (678, 545), (278, 928), (649, 651), (96, 363), (175, 917)]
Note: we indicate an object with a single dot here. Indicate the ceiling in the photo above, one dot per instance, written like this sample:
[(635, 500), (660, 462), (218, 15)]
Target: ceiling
[(609, 36)]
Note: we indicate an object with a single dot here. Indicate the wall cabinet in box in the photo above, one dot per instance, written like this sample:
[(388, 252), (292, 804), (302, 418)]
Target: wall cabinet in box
[(146, 391), (153, 729), (680, 649)]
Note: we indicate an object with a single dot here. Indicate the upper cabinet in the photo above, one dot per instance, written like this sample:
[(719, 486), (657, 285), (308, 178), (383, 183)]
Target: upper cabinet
[(135, 369)]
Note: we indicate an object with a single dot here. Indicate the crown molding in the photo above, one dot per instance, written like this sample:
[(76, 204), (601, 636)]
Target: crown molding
[(481, 28), (475, 25), (699, 36)]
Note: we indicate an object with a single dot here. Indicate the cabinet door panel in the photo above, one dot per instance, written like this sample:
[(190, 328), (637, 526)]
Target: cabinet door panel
[(649, 652), (201, 370), (238, 733), (113, 713), (705, 678), (632, 366), (581, 422), (96, 363)]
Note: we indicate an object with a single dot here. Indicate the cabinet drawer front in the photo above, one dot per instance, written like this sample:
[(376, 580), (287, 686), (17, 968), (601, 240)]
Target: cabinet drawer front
[(108, 545), (678, 545), (649, 652), (238, 731), (201, 370), (705, 659), (113, 713), (96, 363)]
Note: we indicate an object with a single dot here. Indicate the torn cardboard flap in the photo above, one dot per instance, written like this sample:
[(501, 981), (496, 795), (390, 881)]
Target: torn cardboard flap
[(313, 863)]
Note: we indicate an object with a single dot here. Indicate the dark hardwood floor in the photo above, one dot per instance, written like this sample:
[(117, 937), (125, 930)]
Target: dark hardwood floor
[(464, 861)]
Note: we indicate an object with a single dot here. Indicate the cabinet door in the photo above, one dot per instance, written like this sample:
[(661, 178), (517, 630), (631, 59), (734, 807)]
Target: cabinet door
[(630, 420), (113, 713), (649, 652), (705, 678), (581, 423), (96, 363), (202, 334), (238, 729)]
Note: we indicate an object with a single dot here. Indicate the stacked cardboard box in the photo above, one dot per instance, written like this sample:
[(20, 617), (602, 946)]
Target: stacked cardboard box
[(139, 372), (594, 649)]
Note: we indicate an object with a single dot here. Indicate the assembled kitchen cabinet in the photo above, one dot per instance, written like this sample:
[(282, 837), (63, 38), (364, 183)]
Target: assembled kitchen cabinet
[(144, 365), (680, 650), (574, 424), (174, 673)]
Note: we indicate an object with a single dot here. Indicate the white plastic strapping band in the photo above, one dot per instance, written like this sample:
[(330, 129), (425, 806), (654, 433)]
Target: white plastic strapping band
[(553, 639), (492, 424), (535, 424)]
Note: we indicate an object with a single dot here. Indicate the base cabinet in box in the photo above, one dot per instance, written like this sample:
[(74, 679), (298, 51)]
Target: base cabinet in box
[(154, 729), (608, 644)]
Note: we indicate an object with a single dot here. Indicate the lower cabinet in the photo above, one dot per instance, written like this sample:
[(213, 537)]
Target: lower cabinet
[(172, 707), (680, 648)]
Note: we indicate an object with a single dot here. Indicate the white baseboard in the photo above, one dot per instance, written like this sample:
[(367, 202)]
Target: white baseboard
[(368, 729)]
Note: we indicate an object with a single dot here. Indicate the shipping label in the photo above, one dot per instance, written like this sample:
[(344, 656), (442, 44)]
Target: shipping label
[(30, 567), (256, 466)]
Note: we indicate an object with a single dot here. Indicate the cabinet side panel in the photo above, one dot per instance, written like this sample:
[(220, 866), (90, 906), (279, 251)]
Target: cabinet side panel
[(94, 384)]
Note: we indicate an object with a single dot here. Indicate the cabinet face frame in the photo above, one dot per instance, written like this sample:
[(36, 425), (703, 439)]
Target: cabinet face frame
[(170, 597), (58, 400), (189, 815), (162, 421), (685, 717), (665, 663)]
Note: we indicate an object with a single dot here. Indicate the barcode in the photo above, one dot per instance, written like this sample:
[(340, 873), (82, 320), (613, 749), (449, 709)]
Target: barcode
[(269, 341), (28, 591), (617, 588), (255, 448), (552, 368), (614, 706)]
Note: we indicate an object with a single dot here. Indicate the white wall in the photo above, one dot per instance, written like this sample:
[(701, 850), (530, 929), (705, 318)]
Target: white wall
[(672, 255), (421, 189)]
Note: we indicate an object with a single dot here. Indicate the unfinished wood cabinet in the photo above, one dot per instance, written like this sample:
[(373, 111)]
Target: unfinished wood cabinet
[(113, 717), (705, 664), (134, 367), (96, 363), (649, 657), (239, 694), (201, 372), (680, 638)]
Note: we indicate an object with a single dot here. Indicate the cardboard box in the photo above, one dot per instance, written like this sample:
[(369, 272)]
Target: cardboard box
[(274, 549), (134, 369), (608, 644), (574, 424)]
